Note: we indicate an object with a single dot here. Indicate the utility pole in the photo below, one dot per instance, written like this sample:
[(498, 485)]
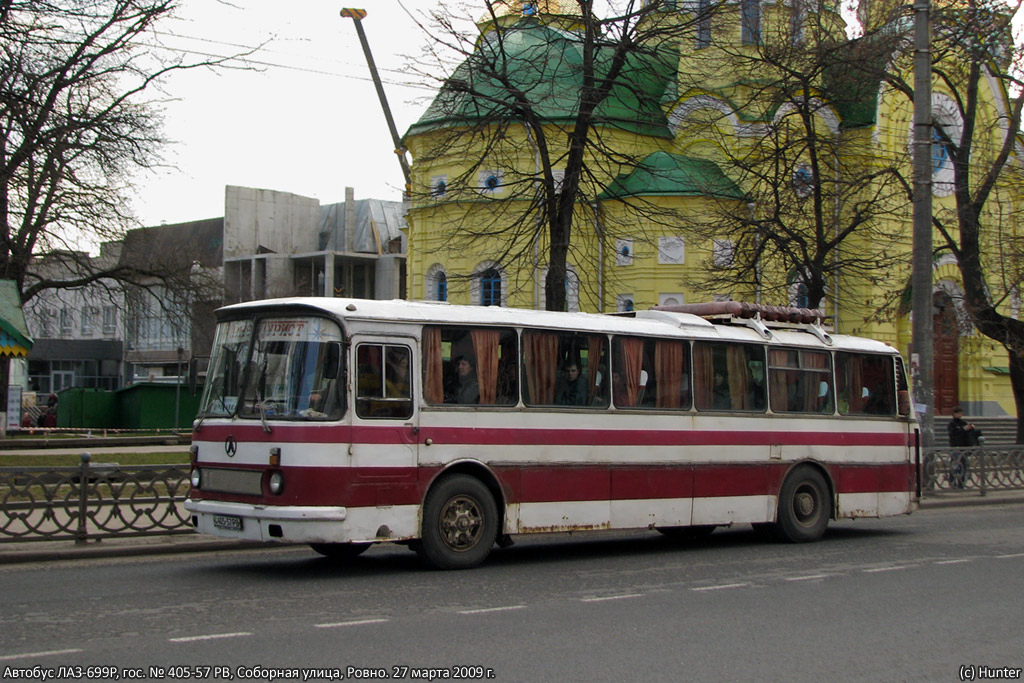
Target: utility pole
[(357, 16), (922, 328)]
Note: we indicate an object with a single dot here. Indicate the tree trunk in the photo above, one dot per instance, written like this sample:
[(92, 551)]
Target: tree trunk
[(1017, 384)]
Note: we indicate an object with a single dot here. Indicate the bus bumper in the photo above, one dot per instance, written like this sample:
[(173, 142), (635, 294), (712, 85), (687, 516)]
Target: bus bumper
[(267, 523)]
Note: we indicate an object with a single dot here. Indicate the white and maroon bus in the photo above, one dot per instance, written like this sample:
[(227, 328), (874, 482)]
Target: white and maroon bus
[(343, 422)]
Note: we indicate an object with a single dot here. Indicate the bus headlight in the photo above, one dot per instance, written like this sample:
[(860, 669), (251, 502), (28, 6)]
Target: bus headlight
[(196, 478), (276, 483)]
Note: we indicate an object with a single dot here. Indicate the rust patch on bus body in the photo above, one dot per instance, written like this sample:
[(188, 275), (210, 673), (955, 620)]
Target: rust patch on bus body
[(563, 527)]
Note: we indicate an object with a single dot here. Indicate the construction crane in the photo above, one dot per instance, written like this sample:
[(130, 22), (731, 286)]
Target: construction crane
[(357, 15)]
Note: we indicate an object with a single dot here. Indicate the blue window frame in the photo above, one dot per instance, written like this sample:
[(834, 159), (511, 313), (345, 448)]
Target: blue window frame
[(442, 287), (703, 23), (940, 152), (750, 22), (490, 288)]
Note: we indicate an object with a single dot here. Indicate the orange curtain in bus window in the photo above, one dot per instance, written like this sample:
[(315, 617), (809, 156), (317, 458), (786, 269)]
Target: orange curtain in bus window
[(540, 356), (632, 361), (595, 352), (778, 380), (485, 346), (668, 370), (703, 376), (814, 399), (739, 385), (433, 384)]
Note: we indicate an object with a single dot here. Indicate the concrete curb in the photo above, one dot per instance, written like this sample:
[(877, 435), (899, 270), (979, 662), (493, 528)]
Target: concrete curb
[(68, 550), (973, 499)]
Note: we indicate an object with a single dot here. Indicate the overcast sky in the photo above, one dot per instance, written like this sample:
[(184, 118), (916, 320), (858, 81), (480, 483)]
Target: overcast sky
[(306, 121), (304, 118)]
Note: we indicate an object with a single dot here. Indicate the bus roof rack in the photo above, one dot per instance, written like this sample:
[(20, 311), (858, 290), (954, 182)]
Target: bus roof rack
[(759, 317)]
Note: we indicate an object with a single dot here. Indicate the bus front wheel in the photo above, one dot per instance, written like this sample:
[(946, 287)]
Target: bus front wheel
[(460, 523), (804, 506)]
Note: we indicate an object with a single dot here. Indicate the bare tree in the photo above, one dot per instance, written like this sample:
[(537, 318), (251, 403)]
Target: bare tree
[(539, 116), (77, 125), (75, 128), (977, 136), (816, 223)]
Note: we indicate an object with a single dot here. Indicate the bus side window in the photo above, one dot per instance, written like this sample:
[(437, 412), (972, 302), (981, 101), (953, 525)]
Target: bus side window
[(383, 386), (487, 357), (563, 368), (865, 384), (725, 378), (800, 381), (651, 373)]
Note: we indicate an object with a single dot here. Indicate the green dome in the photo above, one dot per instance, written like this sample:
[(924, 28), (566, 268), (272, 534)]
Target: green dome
[(544, 65), (673, 175)]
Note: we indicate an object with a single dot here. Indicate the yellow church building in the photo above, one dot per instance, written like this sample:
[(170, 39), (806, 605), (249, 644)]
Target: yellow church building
[(716, 169)]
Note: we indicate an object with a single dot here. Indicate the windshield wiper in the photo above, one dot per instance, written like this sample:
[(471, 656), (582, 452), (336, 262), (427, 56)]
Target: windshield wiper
[(263, 414)]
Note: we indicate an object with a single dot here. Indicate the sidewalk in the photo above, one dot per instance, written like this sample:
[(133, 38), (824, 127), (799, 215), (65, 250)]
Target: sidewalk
[(48, 551), (964, 498)]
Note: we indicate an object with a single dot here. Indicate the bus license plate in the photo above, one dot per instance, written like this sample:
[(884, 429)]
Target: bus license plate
[(229, 523)]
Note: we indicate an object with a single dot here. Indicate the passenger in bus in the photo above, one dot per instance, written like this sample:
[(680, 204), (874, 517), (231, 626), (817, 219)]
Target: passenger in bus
[(720, 391), (824, 403), (619, 393), (572, 387), (756, 394), (322, 401), (467, 389), (878, 402)]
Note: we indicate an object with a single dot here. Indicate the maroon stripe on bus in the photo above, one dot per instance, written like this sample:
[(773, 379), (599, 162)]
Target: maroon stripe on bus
[(368, 486)]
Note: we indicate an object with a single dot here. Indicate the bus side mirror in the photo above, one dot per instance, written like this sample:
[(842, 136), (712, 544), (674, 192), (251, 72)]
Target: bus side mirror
[(903, 402), (333, 361)]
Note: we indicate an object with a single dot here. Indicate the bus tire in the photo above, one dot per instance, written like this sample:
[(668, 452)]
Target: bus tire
[(340, 551), (460, 523), (804, 506)]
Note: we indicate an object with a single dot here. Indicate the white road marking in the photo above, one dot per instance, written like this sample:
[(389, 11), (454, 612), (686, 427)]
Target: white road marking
[(809, 577), (961, 561), (358, 622), (485, 610), (613, 597), (47, 653), (886, 569), (1007, 557), (212, 636), (722, 587)]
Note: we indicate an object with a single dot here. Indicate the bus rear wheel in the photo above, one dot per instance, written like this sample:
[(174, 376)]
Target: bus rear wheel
[(340, 551), (804, 506), (460, 523)]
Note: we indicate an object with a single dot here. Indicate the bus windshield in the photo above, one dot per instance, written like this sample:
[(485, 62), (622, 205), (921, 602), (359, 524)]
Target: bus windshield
[(294, 370), (228, 357)]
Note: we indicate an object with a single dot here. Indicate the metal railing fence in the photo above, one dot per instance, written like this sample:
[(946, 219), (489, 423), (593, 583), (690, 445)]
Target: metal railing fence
[(92, 501), (95, 501), (976, 468)]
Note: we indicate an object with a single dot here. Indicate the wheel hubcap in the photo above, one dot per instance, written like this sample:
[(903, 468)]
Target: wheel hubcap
[(461, 523), (805, 505)]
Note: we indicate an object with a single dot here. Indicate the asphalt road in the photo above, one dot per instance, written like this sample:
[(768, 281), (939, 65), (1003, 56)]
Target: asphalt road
[(913, 598)]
